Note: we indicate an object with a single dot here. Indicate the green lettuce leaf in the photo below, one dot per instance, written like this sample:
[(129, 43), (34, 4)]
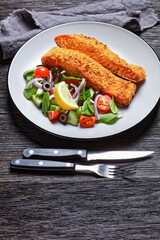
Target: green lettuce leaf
[(88, 108)]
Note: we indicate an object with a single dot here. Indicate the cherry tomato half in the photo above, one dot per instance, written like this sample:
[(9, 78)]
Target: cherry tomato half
[(87, 121), (52, 115), (103, 103), (51, 92), (41, 72)]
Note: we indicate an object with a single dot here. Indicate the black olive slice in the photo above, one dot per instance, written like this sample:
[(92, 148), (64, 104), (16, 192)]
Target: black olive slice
[(56, 70), (80, 102), (57, 77), (47, 86), (63, 117)]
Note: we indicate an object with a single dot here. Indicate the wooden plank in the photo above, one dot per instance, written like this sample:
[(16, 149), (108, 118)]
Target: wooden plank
[(36, 206)]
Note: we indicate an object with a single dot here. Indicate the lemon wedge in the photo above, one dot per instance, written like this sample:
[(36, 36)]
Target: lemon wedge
[(64, 98)]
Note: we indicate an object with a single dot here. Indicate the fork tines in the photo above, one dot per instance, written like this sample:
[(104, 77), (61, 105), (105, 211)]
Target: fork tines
[(120, 171)]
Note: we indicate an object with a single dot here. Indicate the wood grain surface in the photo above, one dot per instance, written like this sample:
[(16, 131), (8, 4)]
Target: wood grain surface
[(39, 206)]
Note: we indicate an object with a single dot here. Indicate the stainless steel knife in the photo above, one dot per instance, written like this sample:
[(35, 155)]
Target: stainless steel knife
[(83, 154)]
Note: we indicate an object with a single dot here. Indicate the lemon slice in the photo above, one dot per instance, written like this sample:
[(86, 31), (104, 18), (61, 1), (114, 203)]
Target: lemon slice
[(63, 97)]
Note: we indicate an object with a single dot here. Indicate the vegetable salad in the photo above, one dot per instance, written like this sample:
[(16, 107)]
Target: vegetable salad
[(67, 99)]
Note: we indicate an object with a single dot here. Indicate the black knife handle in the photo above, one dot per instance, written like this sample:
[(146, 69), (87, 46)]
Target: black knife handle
[(42, 165), (56, 153)]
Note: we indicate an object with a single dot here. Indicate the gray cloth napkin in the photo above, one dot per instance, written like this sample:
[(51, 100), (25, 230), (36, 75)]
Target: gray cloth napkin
[(23, 24)]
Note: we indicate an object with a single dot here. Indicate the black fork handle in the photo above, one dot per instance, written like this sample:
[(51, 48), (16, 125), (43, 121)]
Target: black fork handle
[(42, 165)]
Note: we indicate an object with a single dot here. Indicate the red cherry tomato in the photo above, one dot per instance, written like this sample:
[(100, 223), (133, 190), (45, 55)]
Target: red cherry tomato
[(41, 72), (52, 115), (87, 121), (51, 92), (103, 103)]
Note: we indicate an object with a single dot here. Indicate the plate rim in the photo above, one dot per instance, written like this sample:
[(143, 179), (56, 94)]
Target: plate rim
[(72, 137)]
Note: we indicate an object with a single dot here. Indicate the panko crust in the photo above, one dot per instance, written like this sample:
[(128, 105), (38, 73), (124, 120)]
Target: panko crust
[(103, 55), (99, 78)]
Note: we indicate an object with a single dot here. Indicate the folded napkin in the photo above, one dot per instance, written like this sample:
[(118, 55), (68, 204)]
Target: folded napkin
[(23, 24)]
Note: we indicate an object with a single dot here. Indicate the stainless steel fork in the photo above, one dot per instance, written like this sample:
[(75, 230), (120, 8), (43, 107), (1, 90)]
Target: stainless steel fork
[(102, 170)]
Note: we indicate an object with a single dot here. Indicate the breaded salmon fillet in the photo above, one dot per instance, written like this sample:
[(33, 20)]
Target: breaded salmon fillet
[(103, 55), (99, 78)]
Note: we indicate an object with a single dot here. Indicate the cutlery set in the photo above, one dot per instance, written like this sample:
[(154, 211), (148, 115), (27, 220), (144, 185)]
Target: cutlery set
[(103, 163)]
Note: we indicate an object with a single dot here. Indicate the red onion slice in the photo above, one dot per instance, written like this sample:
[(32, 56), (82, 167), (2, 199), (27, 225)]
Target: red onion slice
[(95, 106), (71, 89), (75, 88), (79, 88), (73, 85), (63, 71), (91, 101), (51, 96), (53, 89), (77, 97), (50, 77), (35, 82)]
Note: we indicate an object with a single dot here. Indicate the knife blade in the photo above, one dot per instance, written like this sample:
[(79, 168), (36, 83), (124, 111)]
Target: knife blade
[(83, 154)]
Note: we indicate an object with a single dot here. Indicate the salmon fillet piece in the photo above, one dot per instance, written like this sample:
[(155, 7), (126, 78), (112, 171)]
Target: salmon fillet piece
[(99, 78), (103, 55)]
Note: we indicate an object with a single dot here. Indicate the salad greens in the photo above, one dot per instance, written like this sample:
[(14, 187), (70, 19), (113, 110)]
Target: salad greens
[(87, 108), (45, 103), (28, 75), (31, 89)]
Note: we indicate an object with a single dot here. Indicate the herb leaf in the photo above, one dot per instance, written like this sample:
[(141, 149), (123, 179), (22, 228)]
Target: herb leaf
[(30, 91), (82, 92), (45, 103), (28, 75), (113, 106), (107, 118), (65, 77)]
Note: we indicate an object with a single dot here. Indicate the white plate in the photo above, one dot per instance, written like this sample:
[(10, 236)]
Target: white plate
[(128, 45)]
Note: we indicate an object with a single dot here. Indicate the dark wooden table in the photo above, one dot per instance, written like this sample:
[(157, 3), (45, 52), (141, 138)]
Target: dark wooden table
[(79, 206)]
